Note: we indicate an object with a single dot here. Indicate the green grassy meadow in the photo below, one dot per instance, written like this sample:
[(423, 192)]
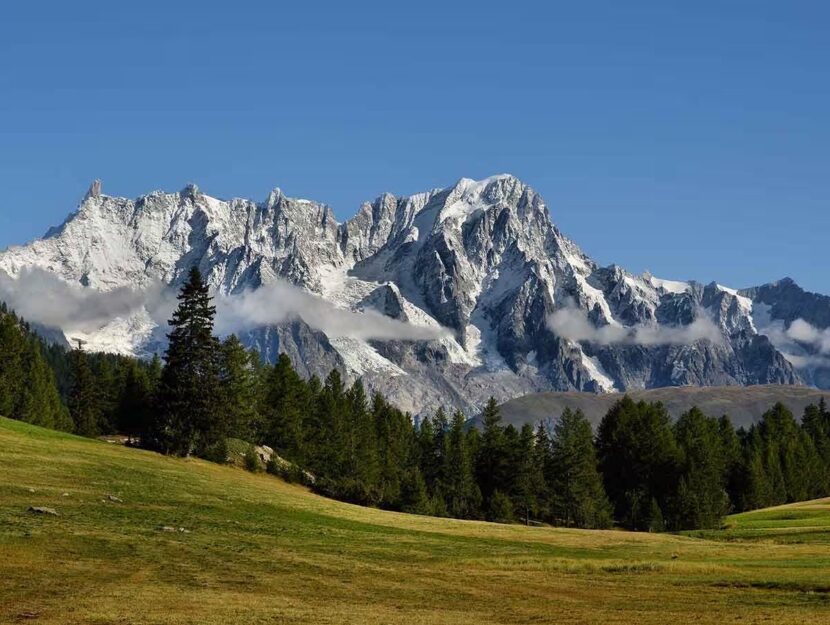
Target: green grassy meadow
[(257, 550)]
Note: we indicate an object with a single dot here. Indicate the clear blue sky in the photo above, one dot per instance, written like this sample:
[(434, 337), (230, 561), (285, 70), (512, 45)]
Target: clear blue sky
[(688, 138)]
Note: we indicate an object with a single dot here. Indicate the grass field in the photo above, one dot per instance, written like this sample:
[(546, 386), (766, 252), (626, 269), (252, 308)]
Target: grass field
[(257, 550)]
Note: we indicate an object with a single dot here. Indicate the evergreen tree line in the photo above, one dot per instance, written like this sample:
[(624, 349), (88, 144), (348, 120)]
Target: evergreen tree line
[(71, 390), (640, 470), (690, 474), (28, 391)]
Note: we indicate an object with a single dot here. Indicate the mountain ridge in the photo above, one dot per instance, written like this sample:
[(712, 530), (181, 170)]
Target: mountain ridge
[(481, 264)]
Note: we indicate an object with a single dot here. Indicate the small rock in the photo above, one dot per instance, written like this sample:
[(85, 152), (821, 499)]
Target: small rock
[(27, 615), (43, 510), (31, 490), (65, 495), (184, 531), (115, 499)]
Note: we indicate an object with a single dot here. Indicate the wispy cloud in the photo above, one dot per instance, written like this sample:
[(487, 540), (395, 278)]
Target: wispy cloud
[(572, 323), (807, 334), (803, 344), (42, 297), (279, 302)]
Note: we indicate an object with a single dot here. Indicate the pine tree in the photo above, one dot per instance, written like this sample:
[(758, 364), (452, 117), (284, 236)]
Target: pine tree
[(108, 383), (701, 501), (733, 461), (638, 459), (12, 348), (816, 425), (239, 390), (791, 461), (284, 396), (135, 406), (579, 497), (424, 442), (756, 491), (362, 463), (436, 465), (189, 416), (543, 460), (458, 487), (84, 406), (39, 401), (492, 457), (529, 483), (414, 496), (324, 443), (395, 440)]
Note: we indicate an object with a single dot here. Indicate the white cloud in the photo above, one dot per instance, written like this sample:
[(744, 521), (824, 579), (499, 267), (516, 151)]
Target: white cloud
[(280, 302), (572, 323), (41, 297), (804, 345), (803, 332)]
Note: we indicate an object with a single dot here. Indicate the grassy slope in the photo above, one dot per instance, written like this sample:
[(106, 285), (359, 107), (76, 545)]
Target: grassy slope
[(262, 551)]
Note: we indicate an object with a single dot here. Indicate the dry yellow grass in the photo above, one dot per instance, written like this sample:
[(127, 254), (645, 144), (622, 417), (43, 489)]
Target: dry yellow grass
[(258, 550)]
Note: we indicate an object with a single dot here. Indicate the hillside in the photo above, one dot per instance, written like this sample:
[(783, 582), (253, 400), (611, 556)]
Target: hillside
[(141, 538), (744, 405)]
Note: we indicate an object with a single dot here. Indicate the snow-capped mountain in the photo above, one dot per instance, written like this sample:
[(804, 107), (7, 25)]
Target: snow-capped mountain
[(510, 304)]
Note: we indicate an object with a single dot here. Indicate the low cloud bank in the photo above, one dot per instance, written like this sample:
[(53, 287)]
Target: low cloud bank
[(41, 297), (279, 302), (572, 323)]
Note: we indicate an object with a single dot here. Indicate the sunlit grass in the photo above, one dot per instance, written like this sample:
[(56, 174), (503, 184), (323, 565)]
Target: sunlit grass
[(258, 550)]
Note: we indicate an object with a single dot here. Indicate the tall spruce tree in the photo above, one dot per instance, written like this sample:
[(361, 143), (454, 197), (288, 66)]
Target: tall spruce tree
[(12, 347), (239, 390), (285, 396), (638, 459), (756, 489), (492, 470), (84, 398), (816, 425), (39, 401), (579, 497), (733, 477), (395, 440), (189, 415), (701, 500), (361, 460), (28, 390), (135, 406), (791, 460), (459, 488), (529, 483), (542, 454)]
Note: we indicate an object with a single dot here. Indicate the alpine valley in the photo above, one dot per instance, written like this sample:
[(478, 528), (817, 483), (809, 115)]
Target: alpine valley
[(488, 297)]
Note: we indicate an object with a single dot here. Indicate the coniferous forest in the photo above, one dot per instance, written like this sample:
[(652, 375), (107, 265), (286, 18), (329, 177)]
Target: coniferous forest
[(639, 470)]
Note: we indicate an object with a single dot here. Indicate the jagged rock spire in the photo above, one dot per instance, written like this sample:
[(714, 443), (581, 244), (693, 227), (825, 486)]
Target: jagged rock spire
[(94, 189)]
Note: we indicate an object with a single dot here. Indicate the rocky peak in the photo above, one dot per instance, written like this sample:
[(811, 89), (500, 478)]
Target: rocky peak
[(482, 258), (94, 190)]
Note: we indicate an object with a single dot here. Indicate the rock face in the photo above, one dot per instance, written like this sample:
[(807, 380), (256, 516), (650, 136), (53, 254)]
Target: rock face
[(482, 259)]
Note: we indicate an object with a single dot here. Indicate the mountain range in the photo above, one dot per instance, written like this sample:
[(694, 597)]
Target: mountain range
[(441, 298)]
